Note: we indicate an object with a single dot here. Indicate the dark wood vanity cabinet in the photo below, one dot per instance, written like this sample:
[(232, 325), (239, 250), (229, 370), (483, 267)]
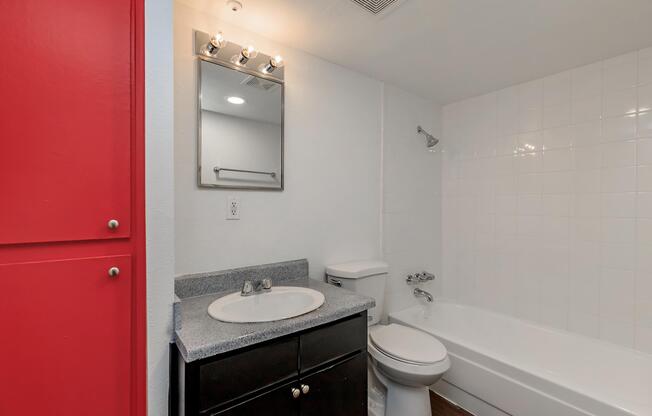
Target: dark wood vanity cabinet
[(320, 371), (340, 389)]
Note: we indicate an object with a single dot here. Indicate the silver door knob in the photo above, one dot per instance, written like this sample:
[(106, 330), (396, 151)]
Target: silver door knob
[(114, 271), (296, 392), (113, 224), (305, 388)]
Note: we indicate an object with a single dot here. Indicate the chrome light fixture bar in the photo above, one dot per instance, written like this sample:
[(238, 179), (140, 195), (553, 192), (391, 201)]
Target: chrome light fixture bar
[(217, 49)]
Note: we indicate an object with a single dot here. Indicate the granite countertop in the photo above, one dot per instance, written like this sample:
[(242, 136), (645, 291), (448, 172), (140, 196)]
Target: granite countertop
[(199, 336)]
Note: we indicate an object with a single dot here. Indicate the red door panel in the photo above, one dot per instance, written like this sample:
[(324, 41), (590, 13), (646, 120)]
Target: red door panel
[(65, 119), (66, 347)]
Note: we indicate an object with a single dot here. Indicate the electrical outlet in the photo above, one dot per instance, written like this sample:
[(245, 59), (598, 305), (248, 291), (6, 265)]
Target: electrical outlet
[(232, 208)]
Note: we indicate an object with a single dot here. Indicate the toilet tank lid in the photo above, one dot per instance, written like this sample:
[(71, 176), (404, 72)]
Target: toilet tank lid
[(357, 269)]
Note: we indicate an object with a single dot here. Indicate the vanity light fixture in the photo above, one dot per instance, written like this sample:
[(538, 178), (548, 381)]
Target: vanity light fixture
[(275, 62), (235, 100), (245, 55), (215, 48), (216, 43)]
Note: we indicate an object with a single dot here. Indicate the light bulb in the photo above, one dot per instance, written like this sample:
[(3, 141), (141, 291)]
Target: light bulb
[(245, 55), (216, 43), (250, 52), (275, 62)]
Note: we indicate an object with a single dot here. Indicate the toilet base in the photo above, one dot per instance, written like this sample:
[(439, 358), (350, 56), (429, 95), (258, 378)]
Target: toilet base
[(400, 400), (406, 400)]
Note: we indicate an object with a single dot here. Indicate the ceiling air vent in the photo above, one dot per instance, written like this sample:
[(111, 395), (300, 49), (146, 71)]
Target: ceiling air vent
[(377, 7), (259, 83)]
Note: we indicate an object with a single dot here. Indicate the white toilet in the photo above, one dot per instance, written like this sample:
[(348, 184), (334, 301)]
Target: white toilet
[(403, 360)]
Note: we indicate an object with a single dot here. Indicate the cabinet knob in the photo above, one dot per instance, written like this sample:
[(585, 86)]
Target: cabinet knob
[(114, 271), (113, 224), (295, 393), (305, 388)]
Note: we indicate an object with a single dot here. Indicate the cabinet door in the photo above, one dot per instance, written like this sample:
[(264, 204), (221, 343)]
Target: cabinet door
[(245, 371), (337, 390), (66, 347), (65, 119), (278, 402)]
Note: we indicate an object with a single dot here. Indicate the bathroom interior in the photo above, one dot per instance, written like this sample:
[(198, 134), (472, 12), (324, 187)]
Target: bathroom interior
[(326, 207)]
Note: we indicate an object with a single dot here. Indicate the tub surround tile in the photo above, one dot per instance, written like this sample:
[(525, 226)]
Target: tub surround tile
[(645, 66), (643, 338), (584, 323), (645, 98), (644, 151), (617, 332), (199, 336), (644, 124), (579, 178)]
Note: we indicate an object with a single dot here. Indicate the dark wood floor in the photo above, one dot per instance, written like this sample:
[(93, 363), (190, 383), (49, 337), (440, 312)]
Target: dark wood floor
[(442, 407)]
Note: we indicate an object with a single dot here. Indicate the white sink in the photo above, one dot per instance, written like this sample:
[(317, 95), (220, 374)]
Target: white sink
[(281, 302)]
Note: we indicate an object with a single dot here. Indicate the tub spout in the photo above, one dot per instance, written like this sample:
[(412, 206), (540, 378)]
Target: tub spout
[(422, 294)]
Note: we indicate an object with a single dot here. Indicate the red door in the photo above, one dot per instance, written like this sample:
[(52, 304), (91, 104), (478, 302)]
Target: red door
[(68, 337), (71, 160)]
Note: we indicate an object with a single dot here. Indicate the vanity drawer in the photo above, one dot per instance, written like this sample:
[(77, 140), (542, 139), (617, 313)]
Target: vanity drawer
[(328, 343), (244, 372)]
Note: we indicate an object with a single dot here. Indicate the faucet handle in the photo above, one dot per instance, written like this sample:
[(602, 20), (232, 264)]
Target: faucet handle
[(247, 288), (412, 279), (425, 276), (267, 284)]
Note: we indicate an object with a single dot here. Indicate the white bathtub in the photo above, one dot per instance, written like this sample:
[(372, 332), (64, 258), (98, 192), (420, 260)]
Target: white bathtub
[(529, 370)]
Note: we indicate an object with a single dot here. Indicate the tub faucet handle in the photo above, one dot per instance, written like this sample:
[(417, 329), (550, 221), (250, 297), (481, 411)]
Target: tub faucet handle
[(412, 279), (425, 276)]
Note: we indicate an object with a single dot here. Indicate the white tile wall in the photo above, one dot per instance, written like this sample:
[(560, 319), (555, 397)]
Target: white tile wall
[(547, 200)]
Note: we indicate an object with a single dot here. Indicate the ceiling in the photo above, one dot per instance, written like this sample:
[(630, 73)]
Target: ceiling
[(447, 50)]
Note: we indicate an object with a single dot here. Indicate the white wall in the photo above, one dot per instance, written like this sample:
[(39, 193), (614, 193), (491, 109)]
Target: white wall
[(331, 208), (329, 211), (159, 179), (548, 200), (411, 193), (239, 143)]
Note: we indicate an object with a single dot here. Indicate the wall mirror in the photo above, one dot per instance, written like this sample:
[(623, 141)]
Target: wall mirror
[(240, 125)]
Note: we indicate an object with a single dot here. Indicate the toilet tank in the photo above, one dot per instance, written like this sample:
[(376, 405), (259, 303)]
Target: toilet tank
[(363, 277)]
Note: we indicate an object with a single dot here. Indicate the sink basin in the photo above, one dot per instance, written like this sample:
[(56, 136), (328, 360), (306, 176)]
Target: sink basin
[(282, 302)]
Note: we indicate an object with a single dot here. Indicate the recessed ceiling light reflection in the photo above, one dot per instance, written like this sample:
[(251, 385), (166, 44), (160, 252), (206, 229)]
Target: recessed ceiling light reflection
[(235, 100)]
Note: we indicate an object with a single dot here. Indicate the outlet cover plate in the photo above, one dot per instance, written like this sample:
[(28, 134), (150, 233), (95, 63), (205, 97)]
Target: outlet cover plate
[(233, 208)]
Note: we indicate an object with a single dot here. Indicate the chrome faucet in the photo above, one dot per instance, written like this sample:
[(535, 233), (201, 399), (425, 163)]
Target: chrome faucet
[(255, 287), (422, 294), (414, 279)]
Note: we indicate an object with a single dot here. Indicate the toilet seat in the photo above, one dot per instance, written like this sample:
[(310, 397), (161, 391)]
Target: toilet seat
[(402, 364), (407, 345)]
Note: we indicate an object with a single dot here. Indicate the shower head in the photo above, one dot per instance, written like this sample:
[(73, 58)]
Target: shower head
[(431, 140)]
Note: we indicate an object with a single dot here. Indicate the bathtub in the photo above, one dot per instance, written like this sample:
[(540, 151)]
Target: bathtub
[(520, 368)]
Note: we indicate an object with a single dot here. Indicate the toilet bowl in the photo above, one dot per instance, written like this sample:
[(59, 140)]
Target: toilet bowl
[(403, 361)]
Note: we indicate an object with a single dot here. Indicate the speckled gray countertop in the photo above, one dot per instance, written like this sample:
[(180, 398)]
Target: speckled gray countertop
[(199, 336)]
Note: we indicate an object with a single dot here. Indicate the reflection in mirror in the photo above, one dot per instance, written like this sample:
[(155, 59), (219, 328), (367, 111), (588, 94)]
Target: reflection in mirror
[(240, 129)]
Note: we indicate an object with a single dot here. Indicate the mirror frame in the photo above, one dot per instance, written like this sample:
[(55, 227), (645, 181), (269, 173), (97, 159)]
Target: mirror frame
[(247, 71)]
